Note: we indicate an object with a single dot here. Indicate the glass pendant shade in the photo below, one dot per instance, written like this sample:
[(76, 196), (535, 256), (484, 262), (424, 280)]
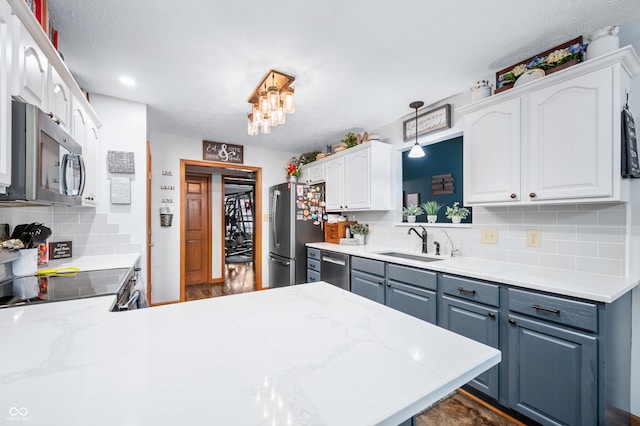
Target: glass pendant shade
[(273, 118), (257, 114), (416, 151), (264, 103), (289, 100), (266, 126), (273, 96), (280, 114), (251, 127)]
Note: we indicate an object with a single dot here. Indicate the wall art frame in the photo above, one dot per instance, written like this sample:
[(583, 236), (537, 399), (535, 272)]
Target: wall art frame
[(428, 122)]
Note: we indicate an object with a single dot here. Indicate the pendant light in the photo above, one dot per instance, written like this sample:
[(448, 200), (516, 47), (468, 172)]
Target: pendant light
[(416, 150), (273, 95), (289, 100)]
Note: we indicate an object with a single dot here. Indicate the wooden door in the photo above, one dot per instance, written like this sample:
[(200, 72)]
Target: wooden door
[(197, 230)]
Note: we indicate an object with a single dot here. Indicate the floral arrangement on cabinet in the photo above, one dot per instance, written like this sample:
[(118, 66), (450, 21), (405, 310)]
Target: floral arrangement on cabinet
[(293, 167), (457, 213)]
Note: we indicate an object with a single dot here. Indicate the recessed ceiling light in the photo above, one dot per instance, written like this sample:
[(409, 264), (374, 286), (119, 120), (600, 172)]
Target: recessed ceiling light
[(127, 81)]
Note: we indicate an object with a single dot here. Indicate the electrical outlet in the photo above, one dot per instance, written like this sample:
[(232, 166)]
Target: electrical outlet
[(372, 229), (533, 238), (489, 236), (265, 217)]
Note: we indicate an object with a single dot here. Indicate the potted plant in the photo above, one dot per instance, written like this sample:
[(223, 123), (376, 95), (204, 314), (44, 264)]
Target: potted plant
[(456, 213), (431, 208), (350, 140), (359, 230), (411, 212)]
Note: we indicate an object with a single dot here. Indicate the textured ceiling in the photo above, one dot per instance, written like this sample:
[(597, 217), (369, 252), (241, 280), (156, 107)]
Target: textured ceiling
[(358, 64)]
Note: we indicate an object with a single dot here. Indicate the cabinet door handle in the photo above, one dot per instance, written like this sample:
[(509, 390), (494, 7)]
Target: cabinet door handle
[(512, 321), (464, 290), (388, 284), (542, 308), (491, 315), (513, 196), (380, 282), (532, 195)]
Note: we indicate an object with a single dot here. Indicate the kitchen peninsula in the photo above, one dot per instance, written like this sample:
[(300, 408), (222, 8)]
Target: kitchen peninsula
[(306, 354)]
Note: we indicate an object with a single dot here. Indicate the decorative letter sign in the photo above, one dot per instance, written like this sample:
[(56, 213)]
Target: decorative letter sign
[(222, 152)]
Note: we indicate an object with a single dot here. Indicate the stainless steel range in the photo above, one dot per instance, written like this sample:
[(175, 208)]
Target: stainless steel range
[(20, 291)]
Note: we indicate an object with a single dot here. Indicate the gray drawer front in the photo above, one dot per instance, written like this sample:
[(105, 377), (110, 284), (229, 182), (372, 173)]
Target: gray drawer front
[(313, 264), (313, 253), (369, 266), (413, 276), (469, 289), (555, 309), (312, 276)]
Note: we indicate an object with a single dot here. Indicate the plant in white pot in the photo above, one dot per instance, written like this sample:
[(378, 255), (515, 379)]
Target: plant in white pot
[(456, 213), (359, 230), (431, 208), (411, 212)]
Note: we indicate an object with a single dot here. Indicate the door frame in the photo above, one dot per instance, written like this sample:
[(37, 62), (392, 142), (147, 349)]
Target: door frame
[(258, 215)]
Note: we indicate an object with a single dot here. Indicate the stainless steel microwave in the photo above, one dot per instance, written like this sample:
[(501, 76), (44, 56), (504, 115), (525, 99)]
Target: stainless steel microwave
[(46, 165)]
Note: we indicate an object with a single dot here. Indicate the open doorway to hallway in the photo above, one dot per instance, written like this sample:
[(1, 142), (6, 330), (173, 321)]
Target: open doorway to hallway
[(233, 262)]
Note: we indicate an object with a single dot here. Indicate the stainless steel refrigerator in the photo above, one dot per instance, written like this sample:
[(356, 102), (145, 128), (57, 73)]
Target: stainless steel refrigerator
[(296, 214)]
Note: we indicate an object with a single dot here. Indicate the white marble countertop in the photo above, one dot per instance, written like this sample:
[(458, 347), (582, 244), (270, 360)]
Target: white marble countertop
[(595, 287), (309, 354)]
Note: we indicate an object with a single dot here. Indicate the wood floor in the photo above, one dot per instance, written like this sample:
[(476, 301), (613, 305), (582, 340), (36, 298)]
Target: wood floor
[(238, 278)]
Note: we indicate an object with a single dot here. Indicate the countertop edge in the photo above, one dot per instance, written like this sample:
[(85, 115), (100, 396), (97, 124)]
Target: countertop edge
[(581, 285)]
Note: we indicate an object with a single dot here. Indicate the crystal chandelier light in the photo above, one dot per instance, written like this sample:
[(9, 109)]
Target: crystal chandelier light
[(271, 100)]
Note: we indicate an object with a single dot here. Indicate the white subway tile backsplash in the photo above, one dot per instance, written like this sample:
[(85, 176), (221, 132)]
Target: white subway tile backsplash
[(540, 218), (557, 261), (578, 218), (558, 208), (578, 248), (611, 251), (600, 266), (612, 218), (527, 258), (601, 234)]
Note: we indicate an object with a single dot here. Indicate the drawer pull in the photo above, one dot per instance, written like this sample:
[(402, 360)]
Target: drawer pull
[(512, 321), (542, 308), (464, 290), (380, 282), (491, 315)]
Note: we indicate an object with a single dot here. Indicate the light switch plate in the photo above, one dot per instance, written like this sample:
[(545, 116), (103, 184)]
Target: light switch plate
[(489, 236), (533, 238)]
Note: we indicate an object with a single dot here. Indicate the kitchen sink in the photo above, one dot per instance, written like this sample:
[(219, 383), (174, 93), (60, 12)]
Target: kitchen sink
[(408, 256)]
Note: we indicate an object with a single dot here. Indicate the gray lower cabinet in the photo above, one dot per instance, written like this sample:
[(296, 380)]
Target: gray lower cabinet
[(409, 290), (462, 313), (313, 265)]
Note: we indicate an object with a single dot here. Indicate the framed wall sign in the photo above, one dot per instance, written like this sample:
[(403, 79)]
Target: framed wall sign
[(428, 122), (223, 152), (121, 162)]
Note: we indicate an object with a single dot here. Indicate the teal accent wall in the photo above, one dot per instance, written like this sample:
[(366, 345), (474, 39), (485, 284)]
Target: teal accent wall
[(441, 158)]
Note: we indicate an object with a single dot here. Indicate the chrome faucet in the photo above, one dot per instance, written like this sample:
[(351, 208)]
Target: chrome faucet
[(423, 236), (453, 250)]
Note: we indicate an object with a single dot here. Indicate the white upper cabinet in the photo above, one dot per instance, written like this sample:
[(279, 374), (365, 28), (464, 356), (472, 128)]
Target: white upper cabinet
[(5, 96), (90, 153), (312, 173), (571, 126), (30, 67), (551, 141), (492, 161), (79, 121), (358, 178), (59, 101)]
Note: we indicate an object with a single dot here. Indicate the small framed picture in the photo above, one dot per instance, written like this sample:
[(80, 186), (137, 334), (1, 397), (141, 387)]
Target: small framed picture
[(413, 199), (428, 122)]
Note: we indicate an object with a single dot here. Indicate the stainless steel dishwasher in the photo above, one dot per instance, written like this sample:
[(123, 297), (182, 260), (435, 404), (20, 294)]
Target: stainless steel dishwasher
[(334, 269)]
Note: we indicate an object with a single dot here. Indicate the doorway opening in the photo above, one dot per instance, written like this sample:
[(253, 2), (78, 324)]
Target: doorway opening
[(230, 261)]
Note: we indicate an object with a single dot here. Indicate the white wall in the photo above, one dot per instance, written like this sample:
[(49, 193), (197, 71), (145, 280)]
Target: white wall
[(167, 151)]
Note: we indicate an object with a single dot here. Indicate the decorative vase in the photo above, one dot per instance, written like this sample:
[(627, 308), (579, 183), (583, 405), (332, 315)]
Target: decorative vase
[(456, 219), (293, 179), (432, 218), (359, 238), (411, 219)]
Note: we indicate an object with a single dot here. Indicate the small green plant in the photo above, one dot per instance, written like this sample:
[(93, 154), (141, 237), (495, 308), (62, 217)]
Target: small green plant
[(431, 207), (359, 228), (412, 210), (456, 210), (350, 140)]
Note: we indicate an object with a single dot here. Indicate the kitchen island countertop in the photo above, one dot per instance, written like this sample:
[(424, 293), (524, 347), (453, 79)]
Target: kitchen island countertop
[(306, 354), (589, 286)]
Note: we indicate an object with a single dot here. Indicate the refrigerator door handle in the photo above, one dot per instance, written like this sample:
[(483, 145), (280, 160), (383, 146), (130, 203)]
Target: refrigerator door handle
[(274, 260), (274, 222)]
